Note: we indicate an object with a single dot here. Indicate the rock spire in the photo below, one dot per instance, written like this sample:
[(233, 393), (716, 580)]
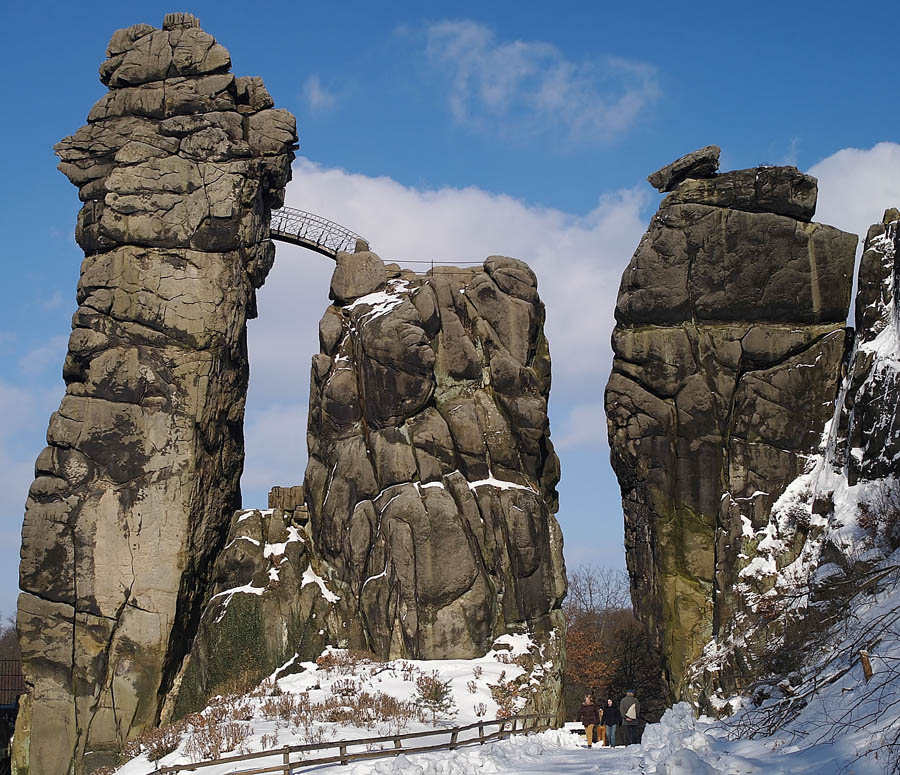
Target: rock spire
[(729, 343), (178, 168)]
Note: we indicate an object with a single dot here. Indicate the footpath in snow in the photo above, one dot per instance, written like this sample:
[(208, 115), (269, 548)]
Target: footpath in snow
[(678, 745), (833, 721)]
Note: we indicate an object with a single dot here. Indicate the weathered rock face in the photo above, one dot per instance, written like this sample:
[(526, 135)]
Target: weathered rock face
[(823, 539), (430, 489), (431, 476), (178, 168), (729, 344), (267, 605)]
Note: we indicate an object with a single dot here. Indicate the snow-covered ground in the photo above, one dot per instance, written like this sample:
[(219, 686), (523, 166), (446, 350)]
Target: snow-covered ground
[(828, 719)]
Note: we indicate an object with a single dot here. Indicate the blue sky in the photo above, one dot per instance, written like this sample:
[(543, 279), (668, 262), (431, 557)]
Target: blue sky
[(449, 131)]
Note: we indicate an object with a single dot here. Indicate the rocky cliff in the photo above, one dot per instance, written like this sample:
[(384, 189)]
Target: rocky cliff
[(827, 536), (430, 487), (729, 348), (178, 168)]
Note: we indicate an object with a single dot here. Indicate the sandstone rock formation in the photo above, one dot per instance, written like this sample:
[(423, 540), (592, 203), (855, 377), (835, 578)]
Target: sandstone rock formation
[(431, 476), (825, 537), (178, 167), (702, 163), (267, 604), (430, 487), (729, 346)]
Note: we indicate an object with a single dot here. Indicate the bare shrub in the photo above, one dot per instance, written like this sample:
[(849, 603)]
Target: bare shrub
[(472, 687), (211, 739), (879, 513), (283, 707), (477, 671), (408, 670), (345, 661), (269, 741), (345, 688), (313, 736), (234, 734), (156, 742), (434, 695), (505, 693), (131, 749)]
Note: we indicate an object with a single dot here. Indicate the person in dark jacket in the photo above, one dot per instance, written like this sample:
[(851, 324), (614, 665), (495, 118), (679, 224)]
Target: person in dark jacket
[(630, 709), (611, 718), (589, 716)]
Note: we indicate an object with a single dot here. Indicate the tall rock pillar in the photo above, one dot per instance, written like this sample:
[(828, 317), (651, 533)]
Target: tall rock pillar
[(431, 481), (178, 167), (729, 343)]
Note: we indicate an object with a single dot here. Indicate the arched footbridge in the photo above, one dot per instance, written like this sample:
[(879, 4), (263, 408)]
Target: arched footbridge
[(312, 231)]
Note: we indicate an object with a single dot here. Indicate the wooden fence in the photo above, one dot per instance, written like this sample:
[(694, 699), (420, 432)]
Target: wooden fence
[(456, 737)]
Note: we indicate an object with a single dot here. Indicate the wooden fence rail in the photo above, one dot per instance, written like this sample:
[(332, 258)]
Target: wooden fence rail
[(514, 725)]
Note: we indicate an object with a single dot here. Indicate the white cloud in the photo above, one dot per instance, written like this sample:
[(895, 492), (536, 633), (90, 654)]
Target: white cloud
[(529, 87), (583, 426), (317, 97), (857, 185), (46, 356), (578, 260), (55, 301)]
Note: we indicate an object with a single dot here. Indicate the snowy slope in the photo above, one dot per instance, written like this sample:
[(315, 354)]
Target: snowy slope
[(829, 721), (347, 696)]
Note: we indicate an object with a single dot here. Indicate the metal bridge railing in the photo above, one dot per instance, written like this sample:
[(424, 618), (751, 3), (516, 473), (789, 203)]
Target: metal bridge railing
[(312, 231)]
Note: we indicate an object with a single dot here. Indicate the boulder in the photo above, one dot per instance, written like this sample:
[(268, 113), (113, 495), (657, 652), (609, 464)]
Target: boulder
[(701, 163), (778, 190), (356, 274)]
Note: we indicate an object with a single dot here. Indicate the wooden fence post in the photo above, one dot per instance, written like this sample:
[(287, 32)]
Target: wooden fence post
[(866, 664), (480, 732), (287, 760), (453, 737), (343, 754)]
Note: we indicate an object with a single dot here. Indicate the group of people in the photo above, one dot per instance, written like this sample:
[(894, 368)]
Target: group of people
[(602, 721)]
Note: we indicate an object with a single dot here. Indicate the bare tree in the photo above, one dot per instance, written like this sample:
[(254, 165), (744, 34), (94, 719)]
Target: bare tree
[(9, 642), (608, 650)]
